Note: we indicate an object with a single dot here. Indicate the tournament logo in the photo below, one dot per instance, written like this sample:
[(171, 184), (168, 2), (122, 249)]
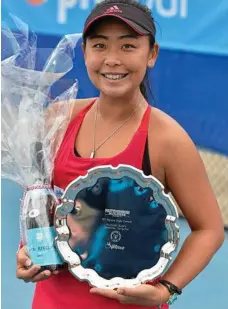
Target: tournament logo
[(115, 236)]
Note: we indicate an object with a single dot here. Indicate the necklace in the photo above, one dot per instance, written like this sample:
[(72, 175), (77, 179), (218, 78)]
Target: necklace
[(92, 155)]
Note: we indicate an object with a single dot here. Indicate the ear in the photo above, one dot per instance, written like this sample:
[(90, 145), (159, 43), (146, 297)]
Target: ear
[(83, 50), (153, 55), (83, 47)]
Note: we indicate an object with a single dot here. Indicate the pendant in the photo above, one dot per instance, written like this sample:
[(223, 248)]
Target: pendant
[(92, 154)]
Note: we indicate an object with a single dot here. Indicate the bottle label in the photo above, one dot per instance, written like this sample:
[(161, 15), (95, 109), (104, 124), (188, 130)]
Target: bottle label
[(41, 246)]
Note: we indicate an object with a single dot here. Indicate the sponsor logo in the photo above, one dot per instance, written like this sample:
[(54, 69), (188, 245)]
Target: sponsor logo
[(114, 247), (113, 9), (169, 9), (165, 8), (36, 2)]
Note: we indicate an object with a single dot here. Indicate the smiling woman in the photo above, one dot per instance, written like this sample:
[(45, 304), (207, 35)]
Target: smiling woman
[(137, 42), (116, 55), (120, 127)]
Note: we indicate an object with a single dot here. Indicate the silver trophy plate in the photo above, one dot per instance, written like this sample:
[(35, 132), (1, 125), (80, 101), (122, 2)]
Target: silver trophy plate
[(116, 227)]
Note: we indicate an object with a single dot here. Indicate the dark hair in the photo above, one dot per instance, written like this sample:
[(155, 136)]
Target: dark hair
[(145, 85)]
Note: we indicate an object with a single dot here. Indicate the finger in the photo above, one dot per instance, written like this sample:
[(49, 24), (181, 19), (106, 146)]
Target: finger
[(41, 276), (23, 258), (114, 295), (27, 274), (25, 249), (107, 293), (139, 291)]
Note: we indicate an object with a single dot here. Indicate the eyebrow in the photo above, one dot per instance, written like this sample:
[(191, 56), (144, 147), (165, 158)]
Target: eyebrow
[(125, 36), (129, 36)]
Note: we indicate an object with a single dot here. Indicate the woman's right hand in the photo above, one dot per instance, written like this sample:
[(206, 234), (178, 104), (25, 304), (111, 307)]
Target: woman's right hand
[(28, 272)]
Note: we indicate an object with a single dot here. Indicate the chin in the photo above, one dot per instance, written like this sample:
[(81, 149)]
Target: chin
[(116, 93)]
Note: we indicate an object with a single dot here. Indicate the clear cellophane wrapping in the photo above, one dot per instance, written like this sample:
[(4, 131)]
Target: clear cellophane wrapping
[(33, 123)]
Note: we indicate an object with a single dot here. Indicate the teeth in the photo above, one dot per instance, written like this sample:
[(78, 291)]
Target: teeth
[(116, 76)]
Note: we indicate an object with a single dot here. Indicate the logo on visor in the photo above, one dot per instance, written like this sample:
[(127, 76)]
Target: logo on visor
[(36, 2), (113, 9)]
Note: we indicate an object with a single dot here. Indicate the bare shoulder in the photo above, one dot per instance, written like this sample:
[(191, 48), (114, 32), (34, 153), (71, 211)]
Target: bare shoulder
[(170, 135), (178, 153), (170, 147), (166, 124)]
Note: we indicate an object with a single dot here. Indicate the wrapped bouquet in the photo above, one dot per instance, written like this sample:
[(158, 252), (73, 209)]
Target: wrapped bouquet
[(33, 126)]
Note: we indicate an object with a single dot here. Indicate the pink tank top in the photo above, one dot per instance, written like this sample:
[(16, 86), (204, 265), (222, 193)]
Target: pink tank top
[(63, 291)]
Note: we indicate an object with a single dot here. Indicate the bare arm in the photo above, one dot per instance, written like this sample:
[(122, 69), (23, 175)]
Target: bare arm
[(187, 180)]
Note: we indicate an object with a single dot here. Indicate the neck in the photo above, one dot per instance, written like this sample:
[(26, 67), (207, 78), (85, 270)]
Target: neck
[(117, 109)]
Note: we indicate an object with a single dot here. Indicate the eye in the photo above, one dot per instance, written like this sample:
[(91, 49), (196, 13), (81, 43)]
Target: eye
[(128, 46), (99, 46)]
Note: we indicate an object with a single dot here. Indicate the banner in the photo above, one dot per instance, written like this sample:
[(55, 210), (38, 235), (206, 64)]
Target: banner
[(190, 25)]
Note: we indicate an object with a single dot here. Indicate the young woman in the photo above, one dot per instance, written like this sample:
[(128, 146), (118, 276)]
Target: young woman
[(120, 127)]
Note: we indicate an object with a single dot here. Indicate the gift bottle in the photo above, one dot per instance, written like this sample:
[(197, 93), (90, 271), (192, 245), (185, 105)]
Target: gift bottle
[(40, 204)]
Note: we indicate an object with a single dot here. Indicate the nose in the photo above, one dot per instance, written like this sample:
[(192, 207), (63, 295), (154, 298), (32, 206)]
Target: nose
[(112, 59), (112, 62)]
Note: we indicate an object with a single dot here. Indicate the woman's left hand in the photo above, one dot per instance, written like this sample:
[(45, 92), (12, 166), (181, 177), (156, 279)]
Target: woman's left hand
[(143, 295)]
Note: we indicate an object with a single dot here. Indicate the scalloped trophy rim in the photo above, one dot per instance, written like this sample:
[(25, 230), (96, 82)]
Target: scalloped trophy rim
[(90, 275)]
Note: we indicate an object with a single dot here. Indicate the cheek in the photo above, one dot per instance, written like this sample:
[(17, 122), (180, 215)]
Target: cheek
[(137, 62), (93, 63), (138, 68), (93, 66)]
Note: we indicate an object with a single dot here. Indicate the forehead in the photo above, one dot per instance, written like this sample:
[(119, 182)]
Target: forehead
[(111, 25)]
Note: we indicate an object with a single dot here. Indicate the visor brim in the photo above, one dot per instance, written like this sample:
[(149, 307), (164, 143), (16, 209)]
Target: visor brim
[(137, 28)]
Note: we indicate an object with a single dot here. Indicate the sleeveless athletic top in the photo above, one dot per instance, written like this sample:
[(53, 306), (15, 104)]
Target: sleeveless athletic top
[(63, 291)]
